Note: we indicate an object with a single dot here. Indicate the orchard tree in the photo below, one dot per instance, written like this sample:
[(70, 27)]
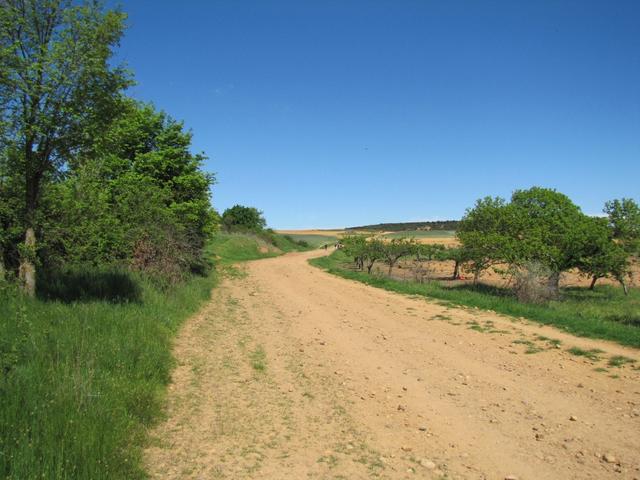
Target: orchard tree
[(395, 249), (485, 233), (241, 218), (603, 256), (57, 89), (624, 220)]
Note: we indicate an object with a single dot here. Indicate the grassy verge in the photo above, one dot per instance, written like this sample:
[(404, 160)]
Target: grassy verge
[(604, 313), (239, 247), (81, 381)]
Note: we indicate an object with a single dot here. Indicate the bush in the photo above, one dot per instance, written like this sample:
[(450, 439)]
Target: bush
[(531, 284)]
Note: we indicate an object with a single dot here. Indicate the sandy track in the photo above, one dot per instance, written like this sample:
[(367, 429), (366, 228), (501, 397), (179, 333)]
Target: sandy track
[(292, 373)]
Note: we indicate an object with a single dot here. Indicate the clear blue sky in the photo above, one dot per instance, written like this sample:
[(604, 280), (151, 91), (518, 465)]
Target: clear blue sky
[(337, 113)]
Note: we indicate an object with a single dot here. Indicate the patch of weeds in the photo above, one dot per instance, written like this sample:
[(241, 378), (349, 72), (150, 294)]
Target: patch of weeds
[(600, 369), (499, 331), (310, 396), (477, 327), (330, 460), (614, 376), (259, 359), (440, 317), (620, 360), (531, 347), (593, 354)]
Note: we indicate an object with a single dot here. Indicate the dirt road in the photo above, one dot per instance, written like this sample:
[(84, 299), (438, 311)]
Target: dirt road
[(291, 373)]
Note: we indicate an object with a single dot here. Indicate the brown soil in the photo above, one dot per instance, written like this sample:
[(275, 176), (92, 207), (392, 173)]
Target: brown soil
[(291, 373)]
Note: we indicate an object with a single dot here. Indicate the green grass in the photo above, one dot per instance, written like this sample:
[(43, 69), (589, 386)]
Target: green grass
[(259, 359), (81, 382), (620, 360), (230, 248), (603, 313), (83, 377), (315, 241), (422, 234)]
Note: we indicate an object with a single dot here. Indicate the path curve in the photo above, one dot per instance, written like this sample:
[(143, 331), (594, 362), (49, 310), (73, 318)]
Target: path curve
[(292, 373)]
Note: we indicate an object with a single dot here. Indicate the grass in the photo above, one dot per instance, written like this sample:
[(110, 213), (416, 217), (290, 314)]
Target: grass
[(620, 360), (603, 313), (259, 359), (84, 368), (315, 241), (82, 381)]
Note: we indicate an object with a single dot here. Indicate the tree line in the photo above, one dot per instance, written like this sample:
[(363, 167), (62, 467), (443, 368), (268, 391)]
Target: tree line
[(88, 176), (535, 237)]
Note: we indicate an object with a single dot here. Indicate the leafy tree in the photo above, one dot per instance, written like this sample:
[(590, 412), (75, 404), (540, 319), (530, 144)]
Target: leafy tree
[(142, 200), (549, 229), (57, 87), (395, 249), (624, 220), (244, 219), (603, 256), (484, 233)]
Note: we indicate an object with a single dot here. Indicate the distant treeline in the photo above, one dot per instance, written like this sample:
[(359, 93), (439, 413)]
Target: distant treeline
[(407, 226)]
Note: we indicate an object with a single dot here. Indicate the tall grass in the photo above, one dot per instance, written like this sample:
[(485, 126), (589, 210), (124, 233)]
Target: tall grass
[(80, 382), (604, 313), (83, 368)]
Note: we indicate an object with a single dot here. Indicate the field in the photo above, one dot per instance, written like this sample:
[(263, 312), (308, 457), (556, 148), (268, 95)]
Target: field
[(420, 234)]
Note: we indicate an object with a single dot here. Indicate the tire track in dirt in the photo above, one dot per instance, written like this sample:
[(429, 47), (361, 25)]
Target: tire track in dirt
[(290, 372)]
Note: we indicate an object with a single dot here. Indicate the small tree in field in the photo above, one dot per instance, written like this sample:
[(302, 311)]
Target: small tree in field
[(603, 256), (243, 219), (624, 221), (374, 251), (395, 249)]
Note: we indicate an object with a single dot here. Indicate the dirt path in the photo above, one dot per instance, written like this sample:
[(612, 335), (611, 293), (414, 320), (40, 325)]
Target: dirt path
[(291, 373)]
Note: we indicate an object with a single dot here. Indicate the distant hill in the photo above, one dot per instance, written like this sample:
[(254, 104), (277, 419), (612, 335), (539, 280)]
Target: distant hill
[(401, 227)]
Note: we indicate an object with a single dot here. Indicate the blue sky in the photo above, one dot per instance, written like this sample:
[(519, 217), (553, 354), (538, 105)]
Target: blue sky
[(339, 113)]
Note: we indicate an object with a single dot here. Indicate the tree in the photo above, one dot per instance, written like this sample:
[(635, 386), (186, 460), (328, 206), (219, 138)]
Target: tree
[(603, 256), (395, 249), (142, 199), (624, 220), (485, 235), (57, 88), (243, 219)]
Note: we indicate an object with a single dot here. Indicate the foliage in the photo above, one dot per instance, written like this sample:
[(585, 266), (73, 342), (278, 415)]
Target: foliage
[(543, 227), (57, 89), (624, 220), (243, 219)]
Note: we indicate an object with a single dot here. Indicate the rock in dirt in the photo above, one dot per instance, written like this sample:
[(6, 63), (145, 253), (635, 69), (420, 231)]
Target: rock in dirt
[(428, 464)]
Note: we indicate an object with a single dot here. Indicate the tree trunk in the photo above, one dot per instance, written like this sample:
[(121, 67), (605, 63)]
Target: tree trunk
[(593, 282), (625, 287), (391, 267), (27, 270), (456, 270), (476, 277), (554, 283), (3, 273)]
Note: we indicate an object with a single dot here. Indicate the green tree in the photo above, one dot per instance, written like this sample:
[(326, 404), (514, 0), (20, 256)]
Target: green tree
[(243, 219), (395, 249), (57, 88), (624, 220), (603, 256), (485, 235), (142, 199)]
